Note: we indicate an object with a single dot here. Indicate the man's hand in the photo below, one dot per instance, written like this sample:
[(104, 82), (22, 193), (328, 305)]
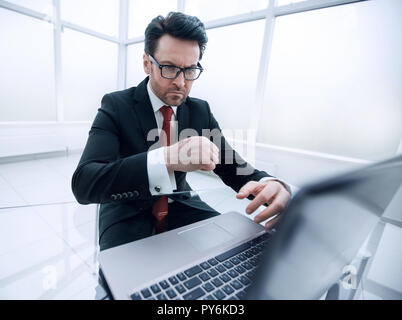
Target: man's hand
[(271, 192), (191, 154)]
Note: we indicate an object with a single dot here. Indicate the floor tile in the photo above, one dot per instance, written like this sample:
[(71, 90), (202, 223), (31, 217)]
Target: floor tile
[(45, 269), (47, 191), (20, 227), (28, 173), (368, 296), (38, 182), (8, 196), (62, 165), (386, 265), (75, 224), (86, 294), (62, 217), (80, 285), (82, 241)]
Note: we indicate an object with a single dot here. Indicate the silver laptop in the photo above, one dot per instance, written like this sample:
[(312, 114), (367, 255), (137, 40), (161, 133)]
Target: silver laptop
[(231, 257)]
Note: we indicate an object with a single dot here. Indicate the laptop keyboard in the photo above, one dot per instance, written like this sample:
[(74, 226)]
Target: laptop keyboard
[(226, 276)]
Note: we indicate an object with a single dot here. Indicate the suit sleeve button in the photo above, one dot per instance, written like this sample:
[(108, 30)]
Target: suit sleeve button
[(136, 194)]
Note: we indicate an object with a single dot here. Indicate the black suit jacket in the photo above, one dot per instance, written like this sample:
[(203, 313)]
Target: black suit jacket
[(113, 168)]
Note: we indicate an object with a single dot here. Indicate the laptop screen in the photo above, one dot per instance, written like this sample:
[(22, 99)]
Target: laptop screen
[(322, 230)]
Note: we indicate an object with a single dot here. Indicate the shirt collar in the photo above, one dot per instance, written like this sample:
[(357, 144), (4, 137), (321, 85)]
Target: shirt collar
[(155, 101)]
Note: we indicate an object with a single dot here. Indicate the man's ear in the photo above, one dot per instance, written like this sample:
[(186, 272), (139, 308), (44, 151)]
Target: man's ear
[(147, 64)]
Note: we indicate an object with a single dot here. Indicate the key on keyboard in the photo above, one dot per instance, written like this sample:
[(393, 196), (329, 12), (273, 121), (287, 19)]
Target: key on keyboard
[(195, 294)]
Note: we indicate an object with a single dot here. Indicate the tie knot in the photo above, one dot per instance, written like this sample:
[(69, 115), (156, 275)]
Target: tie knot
[(167, 113)]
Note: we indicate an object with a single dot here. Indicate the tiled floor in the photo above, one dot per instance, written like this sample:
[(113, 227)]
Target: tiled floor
[(47, 239)]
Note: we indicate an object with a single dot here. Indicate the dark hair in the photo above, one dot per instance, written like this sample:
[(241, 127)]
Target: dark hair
[(178, 25)]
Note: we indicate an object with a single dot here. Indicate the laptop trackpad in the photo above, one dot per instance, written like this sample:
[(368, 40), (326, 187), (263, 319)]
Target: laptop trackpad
[(206, 236)]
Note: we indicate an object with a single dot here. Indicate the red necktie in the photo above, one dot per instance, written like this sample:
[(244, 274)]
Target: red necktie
[(160, 208)]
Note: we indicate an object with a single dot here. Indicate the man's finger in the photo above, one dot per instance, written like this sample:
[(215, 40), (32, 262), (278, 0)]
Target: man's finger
[(215, 157), (207, 167), (213, 146), (247, 189), (263, 197), (276, 207), (267, 213), (215, 151), (271, 223)]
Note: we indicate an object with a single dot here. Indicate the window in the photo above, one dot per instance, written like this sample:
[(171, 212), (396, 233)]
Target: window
[(231, 62), (89, 71), (44, 6), (99, 15), (208, 10), (27, 91), (135, 70), (141, 12), (334, 81)]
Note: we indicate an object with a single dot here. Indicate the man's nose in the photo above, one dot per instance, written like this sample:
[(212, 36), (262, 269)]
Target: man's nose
[(180, 81)]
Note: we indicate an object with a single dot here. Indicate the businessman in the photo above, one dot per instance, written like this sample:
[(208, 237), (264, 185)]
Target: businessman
[(145, 139)]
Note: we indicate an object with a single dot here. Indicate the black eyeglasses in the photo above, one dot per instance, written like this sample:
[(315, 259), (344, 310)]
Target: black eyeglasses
[(172, 72)]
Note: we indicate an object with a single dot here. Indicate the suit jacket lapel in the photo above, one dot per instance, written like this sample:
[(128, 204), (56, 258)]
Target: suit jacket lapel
[(183, 117), (145, 113), (146, 116)]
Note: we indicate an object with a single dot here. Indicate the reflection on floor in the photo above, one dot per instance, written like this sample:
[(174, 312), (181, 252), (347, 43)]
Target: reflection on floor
[(47, 239)]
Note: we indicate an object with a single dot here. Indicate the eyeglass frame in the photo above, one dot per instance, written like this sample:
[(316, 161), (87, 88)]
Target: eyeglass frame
[(160, 66)]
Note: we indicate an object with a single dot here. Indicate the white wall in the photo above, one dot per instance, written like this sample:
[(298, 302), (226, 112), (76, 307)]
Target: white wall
[(35, 138)]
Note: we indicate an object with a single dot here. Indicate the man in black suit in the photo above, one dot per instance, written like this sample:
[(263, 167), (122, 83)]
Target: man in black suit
[(127, 169)]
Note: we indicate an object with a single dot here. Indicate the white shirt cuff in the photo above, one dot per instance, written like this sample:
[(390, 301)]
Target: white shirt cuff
[(158, 175)]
